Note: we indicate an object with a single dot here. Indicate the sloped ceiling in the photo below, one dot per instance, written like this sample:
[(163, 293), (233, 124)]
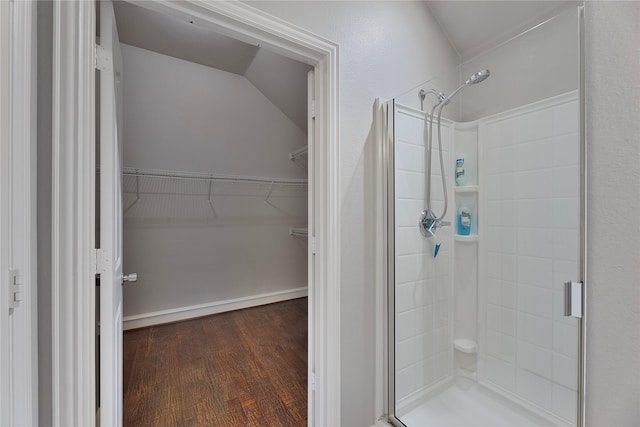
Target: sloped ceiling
[(282, 80), (475, 26), (171, 36)]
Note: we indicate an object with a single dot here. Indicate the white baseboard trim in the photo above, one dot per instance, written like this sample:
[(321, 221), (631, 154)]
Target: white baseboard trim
[(193, 311)]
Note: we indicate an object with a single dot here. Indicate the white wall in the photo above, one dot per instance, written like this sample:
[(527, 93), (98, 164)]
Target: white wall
[(539, 64), (183, 116), (535, 65), (385, 48), (187, 117), (613, 106), (422, 283), (283, 81), (530, 242)]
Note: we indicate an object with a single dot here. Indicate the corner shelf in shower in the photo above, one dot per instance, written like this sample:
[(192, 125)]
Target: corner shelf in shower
[(465, 345), (470, 238), (467, 189)]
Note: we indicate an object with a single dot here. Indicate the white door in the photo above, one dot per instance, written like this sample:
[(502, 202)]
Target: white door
[(110, 254)]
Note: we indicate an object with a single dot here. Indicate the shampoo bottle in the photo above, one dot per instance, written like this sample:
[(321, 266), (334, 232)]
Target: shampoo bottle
[(464, 221), (461, 170)]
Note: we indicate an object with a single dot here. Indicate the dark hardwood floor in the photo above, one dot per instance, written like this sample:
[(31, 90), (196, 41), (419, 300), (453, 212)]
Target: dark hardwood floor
[(241, 368)]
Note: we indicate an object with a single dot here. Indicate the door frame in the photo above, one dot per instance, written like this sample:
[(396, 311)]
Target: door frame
[(73, 183)]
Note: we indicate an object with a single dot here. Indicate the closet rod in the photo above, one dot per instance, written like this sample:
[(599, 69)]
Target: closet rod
[(212, 177)]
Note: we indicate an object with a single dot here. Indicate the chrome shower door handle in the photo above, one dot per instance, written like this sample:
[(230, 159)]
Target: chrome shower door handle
[(129, 278), (573, 299)]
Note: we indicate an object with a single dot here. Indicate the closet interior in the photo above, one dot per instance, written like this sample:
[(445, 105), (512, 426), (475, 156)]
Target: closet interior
[(215, 177), (215, 171)]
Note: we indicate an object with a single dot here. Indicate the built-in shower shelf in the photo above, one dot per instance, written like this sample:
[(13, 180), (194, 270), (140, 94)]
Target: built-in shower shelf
[(470, 238), (466, 346), (467, 189)]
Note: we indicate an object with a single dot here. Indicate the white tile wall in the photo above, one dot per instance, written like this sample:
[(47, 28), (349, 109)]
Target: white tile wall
[(564, 402), (533, 238), (422, 283), (534, 388), (501, 373)]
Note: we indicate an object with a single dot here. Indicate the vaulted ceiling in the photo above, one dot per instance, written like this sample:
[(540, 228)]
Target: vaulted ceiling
[(282, 80)]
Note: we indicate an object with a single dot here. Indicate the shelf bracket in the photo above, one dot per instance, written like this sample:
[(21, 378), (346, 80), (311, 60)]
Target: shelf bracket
[(266, 198), (299, 152), (137, 196), (209, 199)]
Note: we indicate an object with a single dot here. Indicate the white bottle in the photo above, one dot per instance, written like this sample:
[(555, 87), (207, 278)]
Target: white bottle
[(461, 171)]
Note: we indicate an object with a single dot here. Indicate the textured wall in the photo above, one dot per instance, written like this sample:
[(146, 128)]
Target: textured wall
[(536, 65), (613, 197)]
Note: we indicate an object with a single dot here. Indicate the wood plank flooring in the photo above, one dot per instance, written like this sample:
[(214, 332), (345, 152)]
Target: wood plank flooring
[(241, 368)]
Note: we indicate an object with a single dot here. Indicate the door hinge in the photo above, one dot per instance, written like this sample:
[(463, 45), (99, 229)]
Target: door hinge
[(100, 261), (573, 299), (15, 288), (102, 59), (312, 381), (313, 243), (312, 108)]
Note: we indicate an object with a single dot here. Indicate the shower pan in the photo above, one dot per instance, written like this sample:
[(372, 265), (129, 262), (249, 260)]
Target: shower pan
[(485, 328)]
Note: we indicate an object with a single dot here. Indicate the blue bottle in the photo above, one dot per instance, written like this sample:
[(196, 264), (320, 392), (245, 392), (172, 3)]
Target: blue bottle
[(464, 221)]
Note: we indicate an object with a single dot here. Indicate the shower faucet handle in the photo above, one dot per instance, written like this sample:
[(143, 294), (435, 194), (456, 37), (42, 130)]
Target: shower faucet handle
[(428, 223)]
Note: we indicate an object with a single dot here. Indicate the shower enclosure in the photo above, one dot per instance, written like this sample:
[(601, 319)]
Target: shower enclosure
[(482, 327)]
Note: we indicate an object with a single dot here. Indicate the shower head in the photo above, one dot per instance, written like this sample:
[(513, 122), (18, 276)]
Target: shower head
[(478, 77)]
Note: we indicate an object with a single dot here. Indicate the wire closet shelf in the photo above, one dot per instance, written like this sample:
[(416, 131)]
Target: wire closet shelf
[(153, 173), (142, 182)]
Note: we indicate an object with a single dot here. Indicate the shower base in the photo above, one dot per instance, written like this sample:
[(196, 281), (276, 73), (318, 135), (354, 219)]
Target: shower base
[(465, 403)]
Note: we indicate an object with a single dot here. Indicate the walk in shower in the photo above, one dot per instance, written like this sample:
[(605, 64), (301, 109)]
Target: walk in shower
[(485, 227)]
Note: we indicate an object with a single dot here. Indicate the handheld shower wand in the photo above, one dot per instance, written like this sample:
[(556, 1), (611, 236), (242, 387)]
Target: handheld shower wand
[(429, 221)]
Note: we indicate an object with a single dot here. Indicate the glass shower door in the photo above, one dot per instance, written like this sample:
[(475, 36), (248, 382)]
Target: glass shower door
[(477, 330)]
